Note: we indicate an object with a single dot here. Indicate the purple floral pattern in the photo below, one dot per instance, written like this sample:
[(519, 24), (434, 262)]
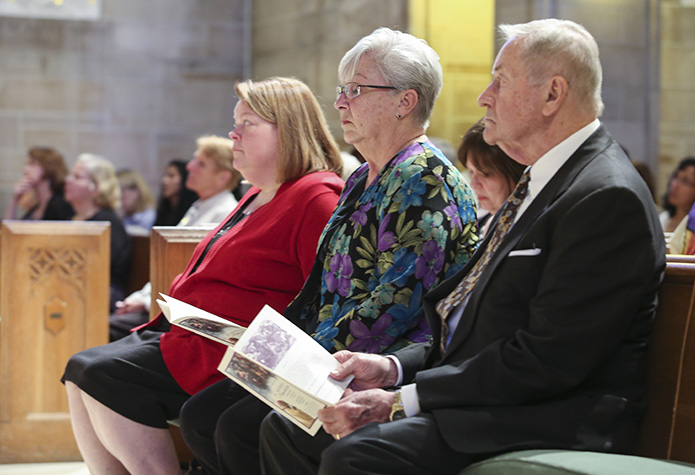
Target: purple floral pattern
[(385, 246)]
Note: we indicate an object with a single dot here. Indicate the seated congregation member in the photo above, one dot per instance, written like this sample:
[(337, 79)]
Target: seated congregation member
[(175, 197), (541, 340), (680, 195), (44, 178), (493, 173), (122, 394), (137, 203), (92, 190), (211, 174), (405, 221)]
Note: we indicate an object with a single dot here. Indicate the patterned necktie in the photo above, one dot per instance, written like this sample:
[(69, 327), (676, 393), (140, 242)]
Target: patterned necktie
[(511, 206)]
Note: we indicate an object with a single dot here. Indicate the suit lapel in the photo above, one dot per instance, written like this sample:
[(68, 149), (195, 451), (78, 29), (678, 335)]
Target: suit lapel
[(557, 185)]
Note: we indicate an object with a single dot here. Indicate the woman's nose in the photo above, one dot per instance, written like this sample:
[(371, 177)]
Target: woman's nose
[(340, 102)]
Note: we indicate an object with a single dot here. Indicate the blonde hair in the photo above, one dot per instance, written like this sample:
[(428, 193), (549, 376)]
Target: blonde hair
[(305, 142), (220, 151), (130, 178), (103, 174)]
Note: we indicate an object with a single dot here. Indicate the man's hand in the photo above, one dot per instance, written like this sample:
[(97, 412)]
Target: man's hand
[(356, 409), (370, 371), (128, 306)]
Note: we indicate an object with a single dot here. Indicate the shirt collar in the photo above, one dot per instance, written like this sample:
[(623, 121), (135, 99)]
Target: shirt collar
[(547, 166)]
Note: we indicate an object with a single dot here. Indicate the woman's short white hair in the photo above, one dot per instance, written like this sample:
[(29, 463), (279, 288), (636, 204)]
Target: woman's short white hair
[(102, 172), (551, 46), (404, 61)]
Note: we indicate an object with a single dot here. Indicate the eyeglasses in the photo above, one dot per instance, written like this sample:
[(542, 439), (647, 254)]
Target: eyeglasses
[(352, 89), (682, 180)]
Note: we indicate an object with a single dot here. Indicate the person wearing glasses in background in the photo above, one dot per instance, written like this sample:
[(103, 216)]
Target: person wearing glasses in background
[(680, 195), (405, 220)]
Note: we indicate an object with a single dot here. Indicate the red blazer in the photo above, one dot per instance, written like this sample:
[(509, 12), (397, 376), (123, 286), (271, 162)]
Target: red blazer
[(263, 259)]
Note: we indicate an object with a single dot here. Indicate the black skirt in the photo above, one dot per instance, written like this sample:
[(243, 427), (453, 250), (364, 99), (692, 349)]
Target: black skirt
[(130, 377)]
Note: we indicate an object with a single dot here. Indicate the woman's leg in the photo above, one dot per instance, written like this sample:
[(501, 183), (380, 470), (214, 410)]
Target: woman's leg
[(140, 449), (132, 379), (95, 455)]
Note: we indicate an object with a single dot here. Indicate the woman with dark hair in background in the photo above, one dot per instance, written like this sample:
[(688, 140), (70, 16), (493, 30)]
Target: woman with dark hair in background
[(680, 195), (175, 198), (493, 173), (44, 176)]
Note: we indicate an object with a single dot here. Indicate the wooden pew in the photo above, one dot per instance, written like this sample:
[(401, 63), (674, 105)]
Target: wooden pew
[(171, 247), (139, 273), (54, 302), (668, 429)]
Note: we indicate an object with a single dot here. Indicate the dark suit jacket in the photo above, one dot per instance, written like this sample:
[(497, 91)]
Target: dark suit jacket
[(551, 348)]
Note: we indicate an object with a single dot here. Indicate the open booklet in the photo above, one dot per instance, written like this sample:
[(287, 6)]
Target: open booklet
[(199, 321), (272, 359)]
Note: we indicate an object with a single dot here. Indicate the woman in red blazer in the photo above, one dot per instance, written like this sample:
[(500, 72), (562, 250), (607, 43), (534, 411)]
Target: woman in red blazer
[(122, 394)]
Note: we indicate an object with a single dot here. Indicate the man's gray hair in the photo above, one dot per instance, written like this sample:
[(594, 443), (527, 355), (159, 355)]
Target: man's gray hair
[(405, 62), (551, 46)]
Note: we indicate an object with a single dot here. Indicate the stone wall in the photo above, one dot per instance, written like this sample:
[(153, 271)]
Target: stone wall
[(627, 34), (307, 38), (137, 86), (677, 126)]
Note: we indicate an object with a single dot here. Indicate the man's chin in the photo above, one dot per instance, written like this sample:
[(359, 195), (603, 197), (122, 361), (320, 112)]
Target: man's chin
[(489, 137)]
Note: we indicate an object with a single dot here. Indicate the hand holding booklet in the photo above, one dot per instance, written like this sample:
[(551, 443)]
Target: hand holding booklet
[(272, 359)]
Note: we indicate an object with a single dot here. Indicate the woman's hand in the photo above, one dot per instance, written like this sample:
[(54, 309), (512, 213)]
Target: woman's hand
[(21, 187)]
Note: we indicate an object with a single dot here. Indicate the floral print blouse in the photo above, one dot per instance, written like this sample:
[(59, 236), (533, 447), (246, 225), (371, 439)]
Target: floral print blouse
[(383, 248)]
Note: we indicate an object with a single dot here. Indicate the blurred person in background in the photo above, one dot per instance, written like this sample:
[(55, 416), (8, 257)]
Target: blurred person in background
[(680, 195), (175, 197), (92, 190), (137, 202), (40, 190)]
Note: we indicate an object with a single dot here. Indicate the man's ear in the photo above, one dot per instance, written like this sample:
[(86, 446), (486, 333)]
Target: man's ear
[(557, 89), (407, 103)]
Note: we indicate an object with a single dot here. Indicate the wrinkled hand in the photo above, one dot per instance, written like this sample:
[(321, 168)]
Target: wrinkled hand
[(128, 306), (356, 409), (370, 371)]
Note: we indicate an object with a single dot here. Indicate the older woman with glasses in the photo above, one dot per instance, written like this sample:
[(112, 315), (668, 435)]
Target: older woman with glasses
[(404, 221)]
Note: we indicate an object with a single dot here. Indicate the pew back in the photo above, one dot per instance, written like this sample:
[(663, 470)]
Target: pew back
[(54, 302), (668, 429), (171, 247)]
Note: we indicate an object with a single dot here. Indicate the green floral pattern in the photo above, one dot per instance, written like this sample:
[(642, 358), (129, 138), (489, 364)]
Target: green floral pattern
[(384, 247)]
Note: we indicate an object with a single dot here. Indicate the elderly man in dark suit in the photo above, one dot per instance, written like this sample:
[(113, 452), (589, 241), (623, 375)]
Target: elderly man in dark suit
[(540, 342)]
